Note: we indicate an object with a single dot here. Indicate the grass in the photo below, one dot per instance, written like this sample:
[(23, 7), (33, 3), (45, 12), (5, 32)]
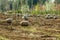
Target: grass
[(46, 12), (29, 28), (3, 38), (42, 30)]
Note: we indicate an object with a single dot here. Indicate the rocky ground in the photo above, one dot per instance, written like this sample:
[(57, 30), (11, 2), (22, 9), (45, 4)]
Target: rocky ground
[(39, 28)]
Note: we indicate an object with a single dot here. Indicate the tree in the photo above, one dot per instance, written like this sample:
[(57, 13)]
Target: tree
[(57, 1), (42, 2)]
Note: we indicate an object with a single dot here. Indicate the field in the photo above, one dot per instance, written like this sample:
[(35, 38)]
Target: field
[(39, 28)]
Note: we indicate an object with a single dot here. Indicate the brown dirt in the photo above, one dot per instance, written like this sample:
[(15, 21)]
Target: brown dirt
[(42, 27)]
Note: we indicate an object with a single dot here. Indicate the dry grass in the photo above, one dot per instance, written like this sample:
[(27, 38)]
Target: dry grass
[(42, 26)]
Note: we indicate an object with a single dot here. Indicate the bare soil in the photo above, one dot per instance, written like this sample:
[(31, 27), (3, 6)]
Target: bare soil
[(38, 27)]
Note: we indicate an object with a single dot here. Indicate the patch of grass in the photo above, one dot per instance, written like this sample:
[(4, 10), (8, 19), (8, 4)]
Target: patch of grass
[(46, 12), (3, 38), (31, 29), (18, 11)]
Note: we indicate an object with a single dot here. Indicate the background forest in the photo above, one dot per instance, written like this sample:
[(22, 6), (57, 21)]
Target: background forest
[(18, 5)]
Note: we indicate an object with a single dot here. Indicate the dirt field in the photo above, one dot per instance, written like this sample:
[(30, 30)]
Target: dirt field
[(38, 28)]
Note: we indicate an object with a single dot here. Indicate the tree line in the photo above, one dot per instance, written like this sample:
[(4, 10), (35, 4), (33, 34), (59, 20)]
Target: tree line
[(16, 4)]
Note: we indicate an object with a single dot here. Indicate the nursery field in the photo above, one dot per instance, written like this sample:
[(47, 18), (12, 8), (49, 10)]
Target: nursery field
[(29, 20), (39, 28)]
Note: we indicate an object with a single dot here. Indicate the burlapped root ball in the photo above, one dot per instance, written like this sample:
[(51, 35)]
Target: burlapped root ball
[(24, 23)]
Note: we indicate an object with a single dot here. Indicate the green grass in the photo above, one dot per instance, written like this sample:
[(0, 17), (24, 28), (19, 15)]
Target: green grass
[(3, 38), (46, 12)]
